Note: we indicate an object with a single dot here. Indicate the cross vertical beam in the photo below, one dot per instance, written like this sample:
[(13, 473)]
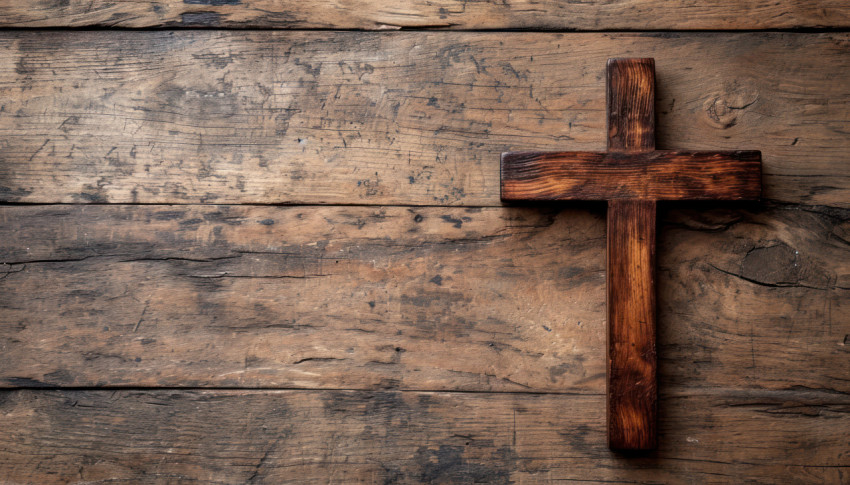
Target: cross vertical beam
[(631, 366)]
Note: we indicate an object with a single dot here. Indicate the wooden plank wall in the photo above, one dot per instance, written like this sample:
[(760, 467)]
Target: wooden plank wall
[(431, 14), (278, 256)]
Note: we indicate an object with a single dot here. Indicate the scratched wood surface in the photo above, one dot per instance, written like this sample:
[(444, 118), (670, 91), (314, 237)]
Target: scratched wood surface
[(632, 363), (391, 343), (494, 299), (441, 14), (393, 118), (167, 436), (426, 298), (658, 175)]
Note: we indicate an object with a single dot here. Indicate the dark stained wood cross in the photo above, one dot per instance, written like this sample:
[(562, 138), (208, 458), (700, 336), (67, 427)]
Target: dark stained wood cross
[(632, 176)]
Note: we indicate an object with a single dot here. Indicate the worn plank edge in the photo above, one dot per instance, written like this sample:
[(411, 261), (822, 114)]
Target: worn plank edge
[(441, 15)]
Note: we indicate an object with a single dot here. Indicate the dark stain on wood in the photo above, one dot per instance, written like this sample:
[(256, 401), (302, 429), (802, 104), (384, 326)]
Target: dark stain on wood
[(451, 464), (240, 436), (214, 3)]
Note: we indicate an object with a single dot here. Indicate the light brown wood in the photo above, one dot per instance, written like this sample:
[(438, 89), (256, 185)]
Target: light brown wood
[(429, 298), (441, 14), (400, 437), (496, 299), (348, 117), (752, 304)]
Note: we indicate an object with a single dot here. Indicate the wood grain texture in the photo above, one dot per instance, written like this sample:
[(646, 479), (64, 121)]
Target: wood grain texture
[(392, 118), (632, 389), (441, 14), (367, 298), (630, 104), (168, 436), (656, 175), (493, 299), (631, 361)]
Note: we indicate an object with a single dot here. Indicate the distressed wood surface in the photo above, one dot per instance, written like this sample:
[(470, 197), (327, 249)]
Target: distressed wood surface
[(441, 14), (630, 104), (346, 117), (656, 175), (752, 305), (492, 299), (631, 364), (168, 436), (631, 176), (429, 298)]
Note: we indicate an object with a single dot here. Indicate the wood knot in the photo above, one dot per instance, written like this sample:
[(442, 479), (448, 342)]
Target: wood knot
[(777, 265), (724, 108)]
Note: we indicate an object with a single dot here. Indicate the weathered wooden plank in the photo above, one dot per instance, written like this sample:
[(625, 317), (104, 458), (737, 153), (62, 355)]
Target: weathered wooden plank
[(411, 437), (442, 14), (430, 298), (505, 299), (656, 175), (766, 257), (392, 118)]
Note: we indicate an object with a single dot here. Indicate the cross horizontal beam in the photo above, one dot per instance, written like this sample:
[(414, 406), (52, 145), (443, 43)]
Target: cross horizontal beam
[(652, 175)]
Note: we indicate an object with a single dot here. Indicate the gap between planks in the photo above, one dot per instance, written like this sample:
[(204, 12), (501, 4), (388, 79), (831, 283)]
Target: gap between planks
[(50, 388), (731, 393), (431, 30), (595, 205)]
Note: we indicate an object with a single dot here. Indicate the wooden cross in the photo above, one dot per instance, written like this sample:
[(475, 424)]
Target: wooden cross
[(632, 176)]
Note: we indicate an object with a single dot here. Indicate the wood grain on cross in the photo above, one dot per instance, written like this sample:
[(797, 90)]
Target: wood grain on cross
[(632, 176)]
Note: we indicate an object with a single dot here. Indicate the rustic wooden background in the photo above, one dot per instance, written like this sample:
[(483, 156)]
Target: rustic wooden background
[(257, 241)]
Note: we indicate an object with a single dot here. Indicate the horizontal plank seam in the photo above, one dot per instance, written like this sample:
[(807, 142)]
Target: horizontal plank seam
[(743, 205), (50, 387), (749, 393), (285, 204), (170, 28)]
